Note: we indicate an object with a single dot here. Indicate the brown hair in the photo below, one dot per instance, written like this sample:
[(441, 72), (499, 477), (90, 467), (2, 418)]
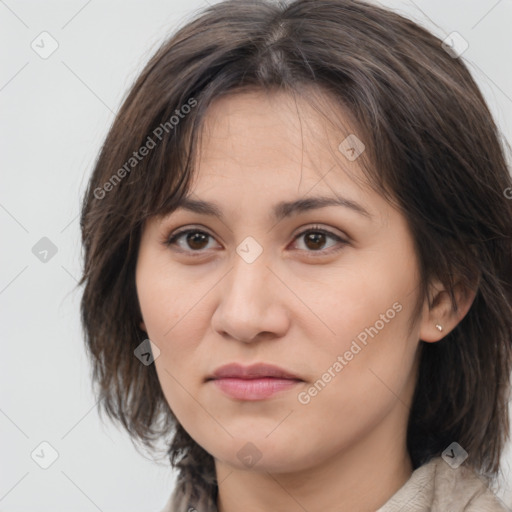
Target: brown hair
[(432, 147)]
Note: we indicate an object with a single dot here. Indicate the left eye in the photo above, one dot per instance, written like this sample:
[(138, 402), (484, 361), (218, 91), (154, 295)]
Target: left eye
[(315, 237), (197, 240)]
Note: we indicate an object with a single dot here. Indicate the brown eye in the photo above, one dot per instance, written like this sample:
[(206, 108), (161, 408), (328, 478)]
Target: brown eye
[(315, 240), (190, 240), (196, 240)]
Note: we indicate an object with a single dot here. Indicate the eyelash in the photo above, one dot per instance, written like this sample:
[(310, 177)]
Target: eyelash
[(171, 240)]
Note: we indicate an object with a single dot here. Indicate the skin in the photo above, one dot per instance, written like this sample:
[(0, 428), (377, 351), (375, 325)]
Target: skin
[(204, 306)]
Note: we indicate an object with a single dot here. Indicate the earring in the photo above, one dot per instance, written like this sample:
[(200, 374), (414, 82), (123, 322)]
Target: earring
[(439, 327)]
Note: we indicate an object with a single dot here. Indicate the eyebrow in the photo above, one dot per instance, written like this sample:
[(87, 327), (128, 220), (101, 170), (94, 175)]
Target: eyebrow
[(280, 211)]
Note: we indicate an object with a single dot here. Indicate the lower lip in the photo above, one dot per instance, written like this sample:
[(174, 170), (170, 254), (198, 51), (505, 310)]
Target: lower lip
[(254, 389)]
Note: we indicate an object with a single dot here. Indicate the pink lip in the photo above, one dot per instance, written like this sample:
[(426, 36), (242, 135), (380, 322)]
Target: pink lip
[(253, 389), (255, 382), (239, 371)]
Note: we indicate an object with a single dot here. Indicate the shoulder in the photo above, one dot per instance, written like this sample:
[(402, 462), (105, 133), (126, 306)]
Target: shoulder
[(462, 489), (437, 487)]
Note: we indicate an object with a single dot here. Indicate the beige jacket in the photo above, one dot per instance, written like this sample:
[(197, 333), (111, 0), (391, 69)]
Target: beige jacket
[(436, 487)]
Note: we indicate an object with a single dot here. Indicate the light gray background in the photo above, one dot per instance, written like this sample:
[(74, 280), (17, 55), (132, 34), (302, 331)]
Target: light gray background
[(55, 114)]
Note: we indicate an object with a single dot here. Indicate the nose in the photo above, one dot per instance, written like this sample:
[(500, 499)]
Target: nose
[(251, 303)]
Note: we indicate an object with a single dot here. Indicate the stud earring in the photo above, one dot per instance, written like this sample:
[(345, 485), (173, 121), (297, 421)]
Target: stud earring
[(439, 327)]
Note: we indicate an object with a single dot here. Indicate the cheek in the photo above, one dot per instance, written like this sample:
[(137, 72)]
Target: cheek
[(162, 299), (372, 351), (357, 392), (380, 281), (364, 303), (168, 315)]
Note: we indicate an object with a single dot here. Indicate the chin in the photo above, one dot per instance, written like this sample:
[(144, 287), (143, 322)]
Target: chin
[(260, 454)]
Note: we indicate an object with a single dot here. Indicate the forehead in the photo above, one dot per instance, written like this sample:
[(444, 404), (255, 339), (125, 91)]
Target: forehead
[(277, 144), (266, 124)]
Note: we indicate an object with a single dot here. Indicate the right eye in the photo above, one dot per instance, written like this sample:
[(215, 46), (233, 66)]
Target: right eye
[(194, 241)]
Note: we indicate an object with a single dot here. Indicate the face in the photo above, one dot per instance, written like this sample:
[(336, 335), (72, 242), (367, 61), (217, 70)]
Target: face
[(326, 293)]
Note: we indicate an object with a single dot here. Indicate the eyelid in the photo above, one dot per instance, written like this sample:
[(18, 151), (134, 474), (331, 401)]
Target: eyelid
[(317, 227)]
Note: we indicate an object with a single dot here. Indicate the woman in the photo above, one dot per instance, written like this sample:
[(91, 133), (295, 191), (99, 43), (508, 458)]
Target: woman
[(297, 264)]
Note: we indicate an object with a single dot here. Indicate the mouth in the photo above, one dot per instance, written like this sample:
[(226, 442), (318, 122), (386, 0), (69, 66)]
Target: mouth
[(255, 371), (256, 382)]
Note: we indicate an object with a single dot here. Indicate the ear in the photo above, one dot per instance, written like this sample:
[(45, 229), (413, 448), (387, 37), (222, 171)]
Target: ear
[(142, 325), (441, 312)]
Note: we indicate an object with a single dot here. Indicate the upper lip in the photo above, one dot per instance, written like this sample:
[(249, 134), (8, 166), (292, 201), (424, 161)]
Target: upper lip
[(238, 371)]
